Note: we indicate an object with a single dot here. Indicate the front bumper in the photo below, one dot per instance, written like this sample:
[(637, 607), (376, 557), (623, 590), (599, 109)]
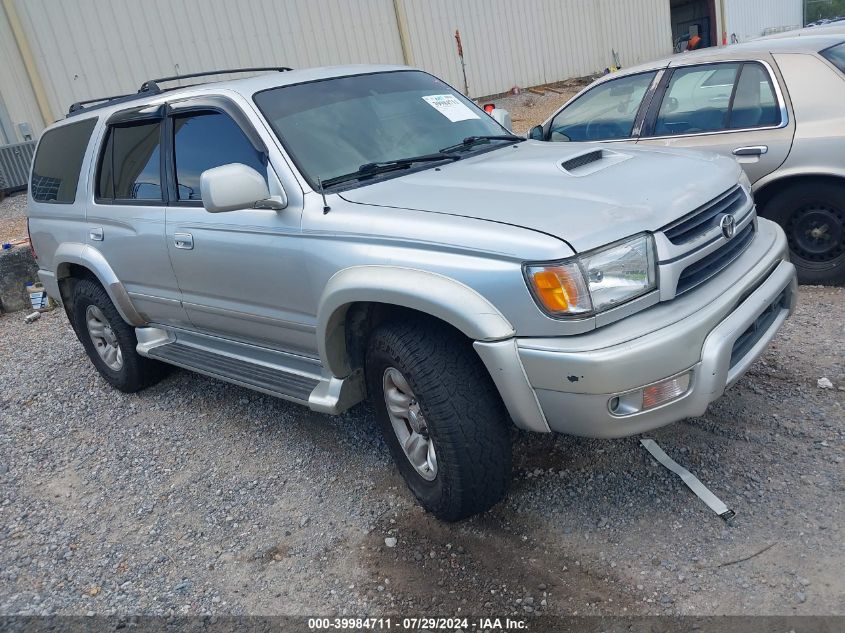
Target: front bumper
[(715, 333)]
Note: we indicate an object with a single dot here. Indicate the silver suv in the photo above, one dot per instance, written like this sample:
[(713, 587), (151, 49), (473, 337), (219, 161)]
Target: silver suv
[(327, 234)]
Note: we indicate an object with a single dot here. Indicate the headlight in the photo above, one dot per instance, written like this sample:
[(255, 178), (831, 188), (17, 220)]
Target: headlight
[(595, 281)]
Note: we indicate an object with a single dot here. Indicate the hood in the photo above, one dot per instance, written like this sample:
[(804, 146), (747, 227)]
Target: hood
[(585, 194)]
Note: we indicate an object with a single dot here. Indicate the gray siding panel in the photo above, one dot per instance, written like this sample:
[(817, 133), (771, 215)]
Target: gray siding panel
[(91, 48), (752, 18)]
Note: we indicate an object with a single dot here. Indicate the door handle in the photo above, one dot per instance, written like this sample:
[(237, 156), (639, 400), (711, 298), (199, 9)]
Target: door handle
[(183, 240), (96, 234), (754, 150)]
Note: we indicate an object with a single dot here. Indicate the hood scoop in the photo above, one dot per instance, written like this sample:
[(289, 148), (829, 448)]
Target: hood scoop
[(591, 161)]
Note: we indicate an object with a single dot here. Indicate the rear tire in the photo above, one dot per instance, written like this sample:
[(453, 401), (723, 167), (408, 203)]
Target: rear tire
[(813, 217), (109, 341), (453, 405)]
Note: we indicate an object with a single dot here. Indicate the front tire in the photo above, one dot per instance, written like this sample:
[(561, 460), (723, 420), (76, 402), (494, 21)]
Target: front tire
[(813, 217), (109, 341), (441, 416)]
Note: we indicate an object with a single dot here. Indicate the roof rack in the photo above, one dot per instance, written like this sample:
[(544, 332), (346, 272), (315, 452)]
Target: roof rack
[(151, 87)]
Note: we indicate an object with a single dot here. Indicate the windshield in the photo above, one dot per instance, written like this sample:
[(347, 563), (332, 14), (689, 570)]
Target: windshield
[(334, 126), (836, 55)]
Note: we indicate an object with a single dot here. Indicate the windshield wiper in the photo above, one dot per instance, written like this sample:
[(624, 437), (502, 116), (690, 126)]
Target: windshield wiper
[(469, 141), (367, 170)]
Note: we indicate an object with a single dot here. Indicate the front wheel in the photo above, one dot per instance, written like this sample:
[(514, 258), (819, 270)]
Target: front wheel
[(441, 416), (813, 217)]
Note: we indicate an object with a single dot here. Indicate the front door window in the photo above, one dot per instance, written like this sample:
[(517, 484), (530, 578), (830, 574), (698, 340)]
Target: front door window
[(607, 112)]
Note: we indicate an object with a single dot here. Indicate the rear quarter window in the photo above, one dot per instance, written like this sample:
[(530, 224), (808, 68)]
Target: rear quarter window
[(55, 172), (836, 56)]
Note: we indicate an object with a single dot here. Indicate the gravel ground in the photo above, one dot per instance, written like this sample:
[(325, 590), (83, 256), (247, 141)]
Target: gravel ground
[(13, 217), (529, 108), (195, 496)]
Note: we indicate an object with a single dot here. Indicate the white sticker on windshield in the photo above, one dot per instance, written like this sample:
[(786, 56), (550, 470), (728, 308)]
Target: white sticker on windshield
[(450, 107)]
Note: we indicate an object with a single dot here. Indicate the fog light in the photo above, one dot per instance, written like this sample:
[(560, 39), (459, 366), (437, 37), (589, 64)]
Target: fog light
[(665, 391)]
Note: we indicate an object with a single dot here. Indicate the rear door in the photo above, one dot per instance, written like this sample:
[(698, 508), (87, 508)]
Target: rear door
[(735, 108), (126, 220), (239, 272)]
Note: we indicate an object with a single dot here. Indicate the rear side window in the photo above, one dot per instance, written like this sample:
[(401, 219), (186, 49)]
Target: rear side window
[(697, 100), (836, 56), (130, 165), (205, 140), (717, 97), (55, 173), (754, 102)]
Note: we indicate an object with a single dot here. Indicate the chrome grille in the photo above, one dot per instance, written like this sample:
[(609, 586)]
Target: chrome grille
[(706, 217), (698, 272)]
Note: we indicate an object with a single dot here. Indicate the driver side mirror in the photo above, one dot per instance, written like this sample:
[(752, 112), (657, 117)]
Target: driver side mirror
[(236, 186), (537, 133)]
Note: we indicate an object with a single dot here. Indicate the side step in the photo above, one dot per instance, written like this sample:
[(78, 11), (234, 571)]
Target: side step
[(269, 380), (289, 376)]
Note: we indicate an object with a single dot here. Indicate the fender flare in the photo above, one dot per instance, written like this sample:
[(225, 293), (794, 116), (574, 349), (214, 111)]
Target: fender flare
[(92, 259), (778, 176), (431, 293)]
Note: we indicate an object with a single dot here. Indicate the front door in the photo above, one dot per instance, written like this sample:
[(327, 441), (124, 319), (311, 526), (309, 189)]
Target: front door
[(239, 272), (732, 108)]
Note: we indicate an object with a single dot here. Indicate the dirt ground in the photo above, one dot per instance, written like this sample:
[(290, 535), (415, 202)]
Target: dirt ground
[(12, 218), (535, 105)]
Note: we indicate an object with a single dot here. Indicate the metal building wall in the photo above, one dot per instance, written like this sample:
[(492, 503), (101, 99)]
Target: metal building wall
[(90, 48), (17, 100), (532, 42), (750, 18)]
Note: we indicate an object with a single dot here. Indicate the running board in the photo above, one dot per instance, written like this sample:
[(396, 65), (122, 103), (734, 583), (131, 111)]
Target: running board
[(289, 376)]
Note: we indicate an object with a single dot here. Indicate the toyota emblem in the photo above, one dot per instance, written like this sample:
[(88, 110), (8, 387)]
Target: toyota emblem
[(728, 225)]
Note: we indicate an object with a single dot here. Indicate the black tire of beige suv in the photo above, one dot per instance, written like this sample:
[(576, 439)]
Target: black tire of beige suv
[(813, 217), (109, 341), (433, 396)]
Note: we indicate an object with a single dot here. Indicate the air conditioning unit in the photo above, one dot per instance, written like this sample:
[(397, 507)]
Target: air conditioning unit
[(15, 161)]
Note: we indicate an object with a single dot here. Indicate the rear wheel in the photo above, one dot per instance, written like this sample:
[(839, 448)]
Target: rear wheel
[(441, 416), (813, 217), (109, 341)]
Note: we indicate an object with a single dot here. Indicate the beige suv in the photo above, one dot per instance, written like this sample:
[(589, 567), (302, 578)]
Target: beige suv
[(775, 105)]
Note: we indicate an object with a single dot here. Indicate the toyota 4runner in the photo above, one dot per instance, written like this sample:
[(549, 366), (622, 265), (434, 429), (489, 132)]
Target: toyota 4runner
[(330, 234)]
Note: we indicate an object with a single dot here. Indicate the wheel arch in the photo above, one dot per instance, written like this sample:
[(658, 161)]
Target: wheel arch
[(392, 287), (767, 189), (77, 261)]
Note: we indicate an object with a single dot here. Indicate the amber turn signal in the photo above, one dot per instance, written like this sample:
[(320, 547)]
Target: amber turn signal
[(560, 289)]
